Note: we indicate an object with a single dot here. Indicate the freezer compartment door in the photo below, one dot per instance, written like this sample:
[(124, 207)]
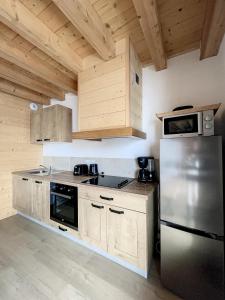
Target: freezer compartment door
[(192, 266), (191, 181)]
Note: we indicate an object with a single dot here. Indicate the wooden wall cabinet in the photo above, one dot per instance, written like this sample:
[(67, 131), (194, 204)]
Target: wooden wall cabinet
[(51, 124), (110, 93)]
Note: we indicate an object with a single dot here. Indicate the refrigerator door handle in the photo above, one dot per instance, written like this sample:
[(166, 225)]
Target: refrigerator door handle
[(212, 236)]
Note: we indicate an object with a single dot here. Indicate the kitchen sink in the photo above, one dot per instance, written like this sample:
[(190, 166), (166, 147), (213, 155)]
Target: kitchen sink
[(44, 172)]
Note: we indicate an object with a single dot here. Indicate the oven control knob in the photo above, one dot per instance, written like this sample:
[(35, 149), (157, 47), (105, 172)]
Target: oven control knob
[(208, 118), (208, 126)]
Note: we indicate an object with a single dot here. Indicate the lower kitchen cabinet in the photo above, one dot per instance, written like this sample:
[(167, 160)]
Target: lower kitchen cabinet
[(22, 194), (126, 235), (31, 197), (40, 207), (92, 223)]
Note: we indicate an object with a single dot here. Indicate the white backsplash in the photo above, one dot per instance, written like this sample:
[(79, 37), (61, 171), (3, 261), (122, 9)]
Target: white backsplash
[(110, 166)]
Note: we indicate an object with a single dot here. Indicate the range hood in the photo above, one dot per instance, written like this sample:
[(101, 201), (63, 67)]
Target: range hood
[(123, 132)]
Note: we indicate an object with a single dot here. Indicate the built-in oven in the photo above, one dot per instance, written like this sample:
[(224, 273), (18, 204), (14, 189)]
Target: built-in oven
[(64, 204)]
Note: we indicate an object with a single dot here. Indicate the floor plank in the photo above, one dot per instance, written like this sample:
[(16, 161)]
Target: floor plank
[(36, 263)]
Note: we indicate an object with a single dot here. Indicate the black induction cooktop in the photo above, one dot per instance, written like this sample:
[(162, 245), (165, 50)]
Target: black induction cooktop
[(109, 181)]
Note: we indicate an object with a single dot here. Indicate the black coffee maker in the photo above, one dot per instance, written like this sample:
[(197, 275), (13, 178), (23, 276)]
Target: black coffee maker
[(147, 169)]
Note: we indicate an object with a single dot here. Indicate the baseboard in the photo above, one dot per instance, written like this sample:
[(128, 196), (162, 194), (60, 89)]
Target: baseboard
[(90, 247)]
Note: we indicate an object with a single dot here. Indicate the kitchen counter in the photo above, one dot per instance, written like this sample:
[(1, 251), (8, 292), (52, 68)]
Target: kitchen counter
[(67, 177)]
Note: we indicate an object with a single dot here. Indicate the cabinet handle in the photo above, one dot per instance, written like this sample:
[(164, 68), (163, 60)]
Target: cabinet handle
[(97, 206), (25, 179), (119, 212), (39, 140), (47, 140), (39, 182), (106, 198), (63, 229)]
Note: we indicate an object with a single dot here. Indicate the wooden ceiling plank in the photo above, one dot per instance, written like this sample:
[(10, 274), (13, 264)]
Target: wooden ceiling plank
[(21, 92), (150, 24), (35, 65), (213, 29), (83, 16), (15, 15), (19, 76)]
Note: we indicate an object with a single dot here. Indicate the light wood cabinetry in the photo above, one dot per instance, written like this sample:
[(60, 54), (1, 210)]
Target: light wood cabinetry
[(121, 223), (31, 197), (51, 124), (40, 205), (110, 93), (22, 194), (126, 235), (92, 222)]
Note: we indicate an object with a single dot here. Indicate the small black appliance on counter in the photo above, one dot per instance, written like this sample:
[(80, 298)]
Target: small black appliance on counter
[(93, 170), (147, 169), (80, 170)]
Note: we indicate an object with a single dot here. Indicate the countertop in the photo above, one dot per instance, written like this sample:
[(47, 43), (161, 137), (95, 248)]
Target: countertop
[(67, 177)]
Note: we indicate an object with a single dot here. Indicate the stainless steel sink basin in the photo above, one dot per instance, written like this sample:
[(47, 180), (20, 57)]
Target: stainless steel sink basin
[(39, 173), (44, 172)]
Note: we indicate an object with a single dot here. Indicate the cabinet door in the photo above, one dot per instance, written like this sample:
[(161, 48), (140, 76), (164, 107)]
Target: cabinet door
[(22, 194), (35, 127), (49, 124), (92, 222), (40, 208), (126, 235)]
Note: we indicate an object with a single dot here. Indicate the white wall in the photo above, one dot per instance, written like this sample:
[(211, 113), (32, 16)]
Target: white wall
[(186, 81)]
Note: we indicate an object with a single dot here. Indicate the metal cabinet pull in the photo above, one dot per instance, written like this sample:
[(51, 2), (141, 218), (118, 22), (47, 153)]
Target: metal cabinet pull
[(46, 140), (62, 229), (97, 206), (39, 140), (25, 179), (39, 182), (106, 198), (119, 212)]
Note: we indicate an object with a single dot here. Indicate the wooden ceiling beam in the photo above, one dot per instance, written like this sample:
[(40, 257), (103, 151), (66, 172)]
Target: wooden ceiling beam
[(31, 63), (21, 92), (21, 20), (19, 76), (213, 28), (84, 17), (150, 24)]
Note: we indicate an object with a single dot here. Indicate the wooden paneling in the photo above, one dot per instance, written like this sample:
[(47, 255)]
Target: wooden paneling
[(18, 75), (214, 28), (151, 27), (16, 152), (20, 19), (22, 92), (110, 93), (85, 18), (30, 62)]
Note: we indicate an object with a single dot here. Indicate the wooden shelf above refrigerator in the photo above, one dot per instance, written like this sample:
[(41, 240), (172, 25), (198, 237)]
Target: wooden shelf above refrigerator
[(125, 132), (214, 107)]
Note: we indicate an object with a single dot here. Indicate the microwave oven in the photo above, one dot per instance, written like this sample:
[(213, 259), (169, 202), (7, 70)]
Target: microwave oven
[(188, 125)]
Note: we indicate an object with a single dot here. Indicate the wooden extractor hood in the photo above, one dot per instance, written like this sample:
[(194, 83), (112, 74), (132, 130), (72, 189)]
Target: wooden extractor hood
[(110, 97), (109, 133)]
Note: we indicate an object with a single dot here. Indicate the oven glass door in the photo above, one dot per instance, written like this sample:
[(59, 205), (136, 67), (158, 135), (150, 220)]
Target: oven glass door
[(181, 125), (64, 209)]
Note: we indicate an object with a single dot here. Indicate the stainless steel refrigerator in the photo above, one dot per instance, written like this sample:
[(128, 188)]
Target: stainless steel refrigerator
[(192, 217)]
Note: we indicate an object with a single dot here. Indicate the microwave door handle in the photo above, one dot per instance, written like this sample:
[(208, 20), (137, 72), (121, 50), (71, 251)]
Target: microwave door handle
[(61, 195)]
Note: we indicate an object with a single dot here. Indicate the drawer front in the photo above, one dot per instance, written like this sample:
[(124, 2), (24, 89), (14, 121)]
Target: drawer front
[(116, 198)]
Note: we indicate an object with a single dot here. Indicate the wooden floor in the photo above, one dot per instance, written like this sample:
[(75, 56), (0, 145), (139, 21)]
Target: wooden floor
[(36, 263)]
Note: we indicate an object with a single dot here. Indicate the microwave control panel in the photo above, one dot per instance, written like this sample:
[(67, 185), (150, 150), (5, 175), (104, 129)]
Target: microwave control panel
[(208, 123)]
